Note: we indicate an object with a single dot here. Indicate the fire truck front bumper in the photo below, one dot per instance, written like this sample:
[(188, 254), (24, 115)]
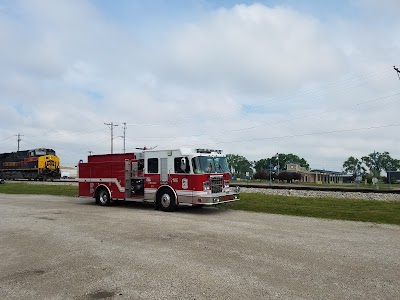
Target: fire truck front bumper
[(216, 198)]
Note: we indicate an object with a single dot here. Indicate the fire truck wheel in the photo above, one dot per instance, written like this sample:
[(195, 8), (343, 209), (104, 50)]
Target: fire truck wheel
[(103, 197), (166, 200)]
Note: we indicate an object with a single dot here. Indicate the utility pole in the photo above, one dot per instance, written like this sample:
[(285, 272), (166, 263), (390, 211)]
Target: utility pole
[(278, 161), (270, 172), (375, 169), (397, 70), (124, 134), (111, 126), (19, 139)]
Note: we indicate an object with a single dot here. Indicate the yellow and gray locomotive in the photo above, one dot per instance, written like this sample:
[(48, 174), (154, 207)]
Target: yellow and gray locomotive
[(35, 164)]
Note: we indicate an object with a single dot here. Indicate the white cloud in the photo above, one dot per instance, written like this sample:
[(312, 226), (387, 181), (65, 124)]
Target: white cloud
[(255, 48)]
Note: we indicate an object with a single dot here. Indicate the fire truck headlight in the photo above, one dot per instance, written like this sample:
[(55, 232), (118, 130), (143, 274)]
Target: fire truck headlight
[(226, 183), (206, 186)]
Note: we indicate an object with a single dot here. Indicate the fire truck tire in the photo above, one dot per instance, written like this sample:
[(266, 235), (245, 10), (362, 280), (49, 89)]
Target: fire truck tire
[(103, 197), (166, 200)]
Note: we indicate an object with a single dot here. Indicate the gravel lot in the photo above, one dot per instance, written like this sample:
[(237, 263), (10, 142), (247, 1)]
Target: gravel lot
[(69, 248)]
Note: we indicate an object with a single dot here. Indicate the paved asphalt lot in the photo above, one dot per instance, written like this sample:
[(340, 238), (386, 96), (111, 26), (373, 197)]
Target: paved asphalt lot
[(69, 248)]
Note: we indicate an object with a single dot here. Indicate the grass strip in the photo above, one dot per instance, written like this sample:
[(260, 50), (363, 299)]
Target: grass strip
[(384, 212), (39, 189)]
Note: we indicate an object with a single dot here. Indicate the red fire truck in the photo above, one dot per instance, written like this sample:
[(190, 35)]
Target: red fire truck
[(168, 178)]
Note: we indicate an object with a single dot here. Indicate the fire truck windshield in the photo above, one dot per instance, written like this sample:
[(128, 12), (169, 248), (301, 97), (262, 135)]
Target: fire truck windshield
[(209, 164)]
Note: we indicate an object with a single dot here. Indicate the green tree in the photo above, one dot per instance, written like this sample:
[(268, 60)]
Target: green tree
[(239, 165), (378, 161), (286, 158), (262, 165), (390, 164), (353, 166), (281, 159)]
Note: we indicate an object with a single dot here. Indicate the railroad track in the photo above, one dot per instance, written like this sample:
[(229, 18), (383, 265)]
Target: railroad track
[(315, 188)]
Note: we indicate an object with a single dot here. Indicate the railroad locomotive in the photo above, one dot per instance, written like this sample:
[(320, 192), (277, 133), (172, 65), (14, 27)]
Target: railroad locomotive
[(35, 164)]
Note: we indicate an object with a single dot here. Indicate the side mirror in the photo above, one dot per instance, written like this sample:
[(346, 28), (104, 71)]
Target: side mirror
[(183, 164)]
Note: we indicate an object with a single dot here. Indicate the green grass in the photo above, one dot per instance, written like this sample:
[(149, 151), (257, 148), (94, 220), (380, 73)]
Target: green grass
[(382, 186), (39, 189), (386, 212)]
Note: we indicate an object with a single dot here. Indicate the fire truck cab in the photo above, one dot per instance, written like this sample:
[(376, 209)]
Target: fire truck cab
[(168, 178)]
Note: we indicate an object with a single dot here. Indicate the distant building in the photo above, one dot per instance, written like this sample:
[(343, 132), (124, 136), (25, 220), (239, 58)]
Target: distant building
[(393, 175), (68, 172), (315, 175)]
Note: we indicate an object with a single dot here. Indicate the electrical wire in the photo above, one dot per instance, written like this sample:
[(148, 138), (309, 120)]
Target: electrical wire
[(306, 116), (338, 85)]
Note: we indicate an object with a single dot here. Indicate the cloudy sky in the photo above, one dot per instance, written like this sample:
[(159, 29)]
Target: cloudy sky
[(312, 78)]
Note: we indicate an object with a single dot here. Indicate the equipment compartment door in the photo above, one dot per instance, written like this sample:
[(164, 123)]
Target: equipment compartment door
[(164, 170)]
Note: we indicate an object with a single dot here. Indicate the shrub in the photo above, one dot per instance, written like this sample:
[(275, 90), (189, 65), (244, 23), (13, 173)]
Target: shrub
[(288, 176), (261, 175)]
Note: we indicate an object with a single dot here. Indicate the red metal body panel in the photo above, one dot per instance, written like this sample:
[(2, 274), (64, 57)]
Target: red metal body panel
[(110, 157), (152, 181), (110, 174)]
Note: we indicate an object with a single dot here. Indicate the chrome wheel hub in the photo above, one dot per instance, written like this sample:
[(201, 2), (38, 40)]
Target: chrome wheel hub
[(165, 200), (103, 198)]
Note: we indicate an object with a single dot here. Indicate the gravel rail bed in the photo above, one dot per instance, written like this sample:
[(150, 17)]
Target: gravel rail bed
[(323, 194)]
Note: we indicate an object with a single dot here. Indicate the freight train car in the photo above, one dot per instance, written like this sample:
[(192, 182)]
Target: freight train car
[(35, 164)]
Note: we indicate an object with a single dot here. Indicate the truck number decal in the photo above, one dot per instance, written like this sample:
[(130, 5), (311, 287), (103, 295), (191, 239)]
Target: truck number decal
[(185, 183)]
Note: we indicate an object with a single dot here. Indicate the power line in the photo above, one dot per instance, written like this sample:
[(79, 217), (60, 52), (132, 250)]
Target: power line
[(296, 118), (311, 94), (300, 135), (337, 85), (326, 89), (313, 133), (11, 136), (281, 121)]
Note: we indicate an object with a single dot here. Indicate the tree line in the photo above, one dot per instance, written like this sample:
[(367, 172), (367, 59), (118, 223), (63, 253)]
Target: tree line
[(372, 164), (240, 166)]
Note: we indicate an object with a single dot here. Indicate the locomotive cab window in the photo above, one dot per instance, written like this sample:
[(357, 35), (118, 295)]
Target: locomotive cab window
[(40, 152), (152, 165)]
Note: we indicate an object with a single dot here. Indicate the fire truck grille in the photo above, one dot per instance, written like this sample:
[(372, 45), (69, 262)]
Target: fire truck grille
[(216, 184)]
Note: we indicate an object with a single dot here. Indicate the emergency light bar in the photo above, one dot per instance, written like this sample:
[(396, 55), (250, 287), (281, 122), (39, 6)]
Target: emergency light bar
[(208, 151)]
